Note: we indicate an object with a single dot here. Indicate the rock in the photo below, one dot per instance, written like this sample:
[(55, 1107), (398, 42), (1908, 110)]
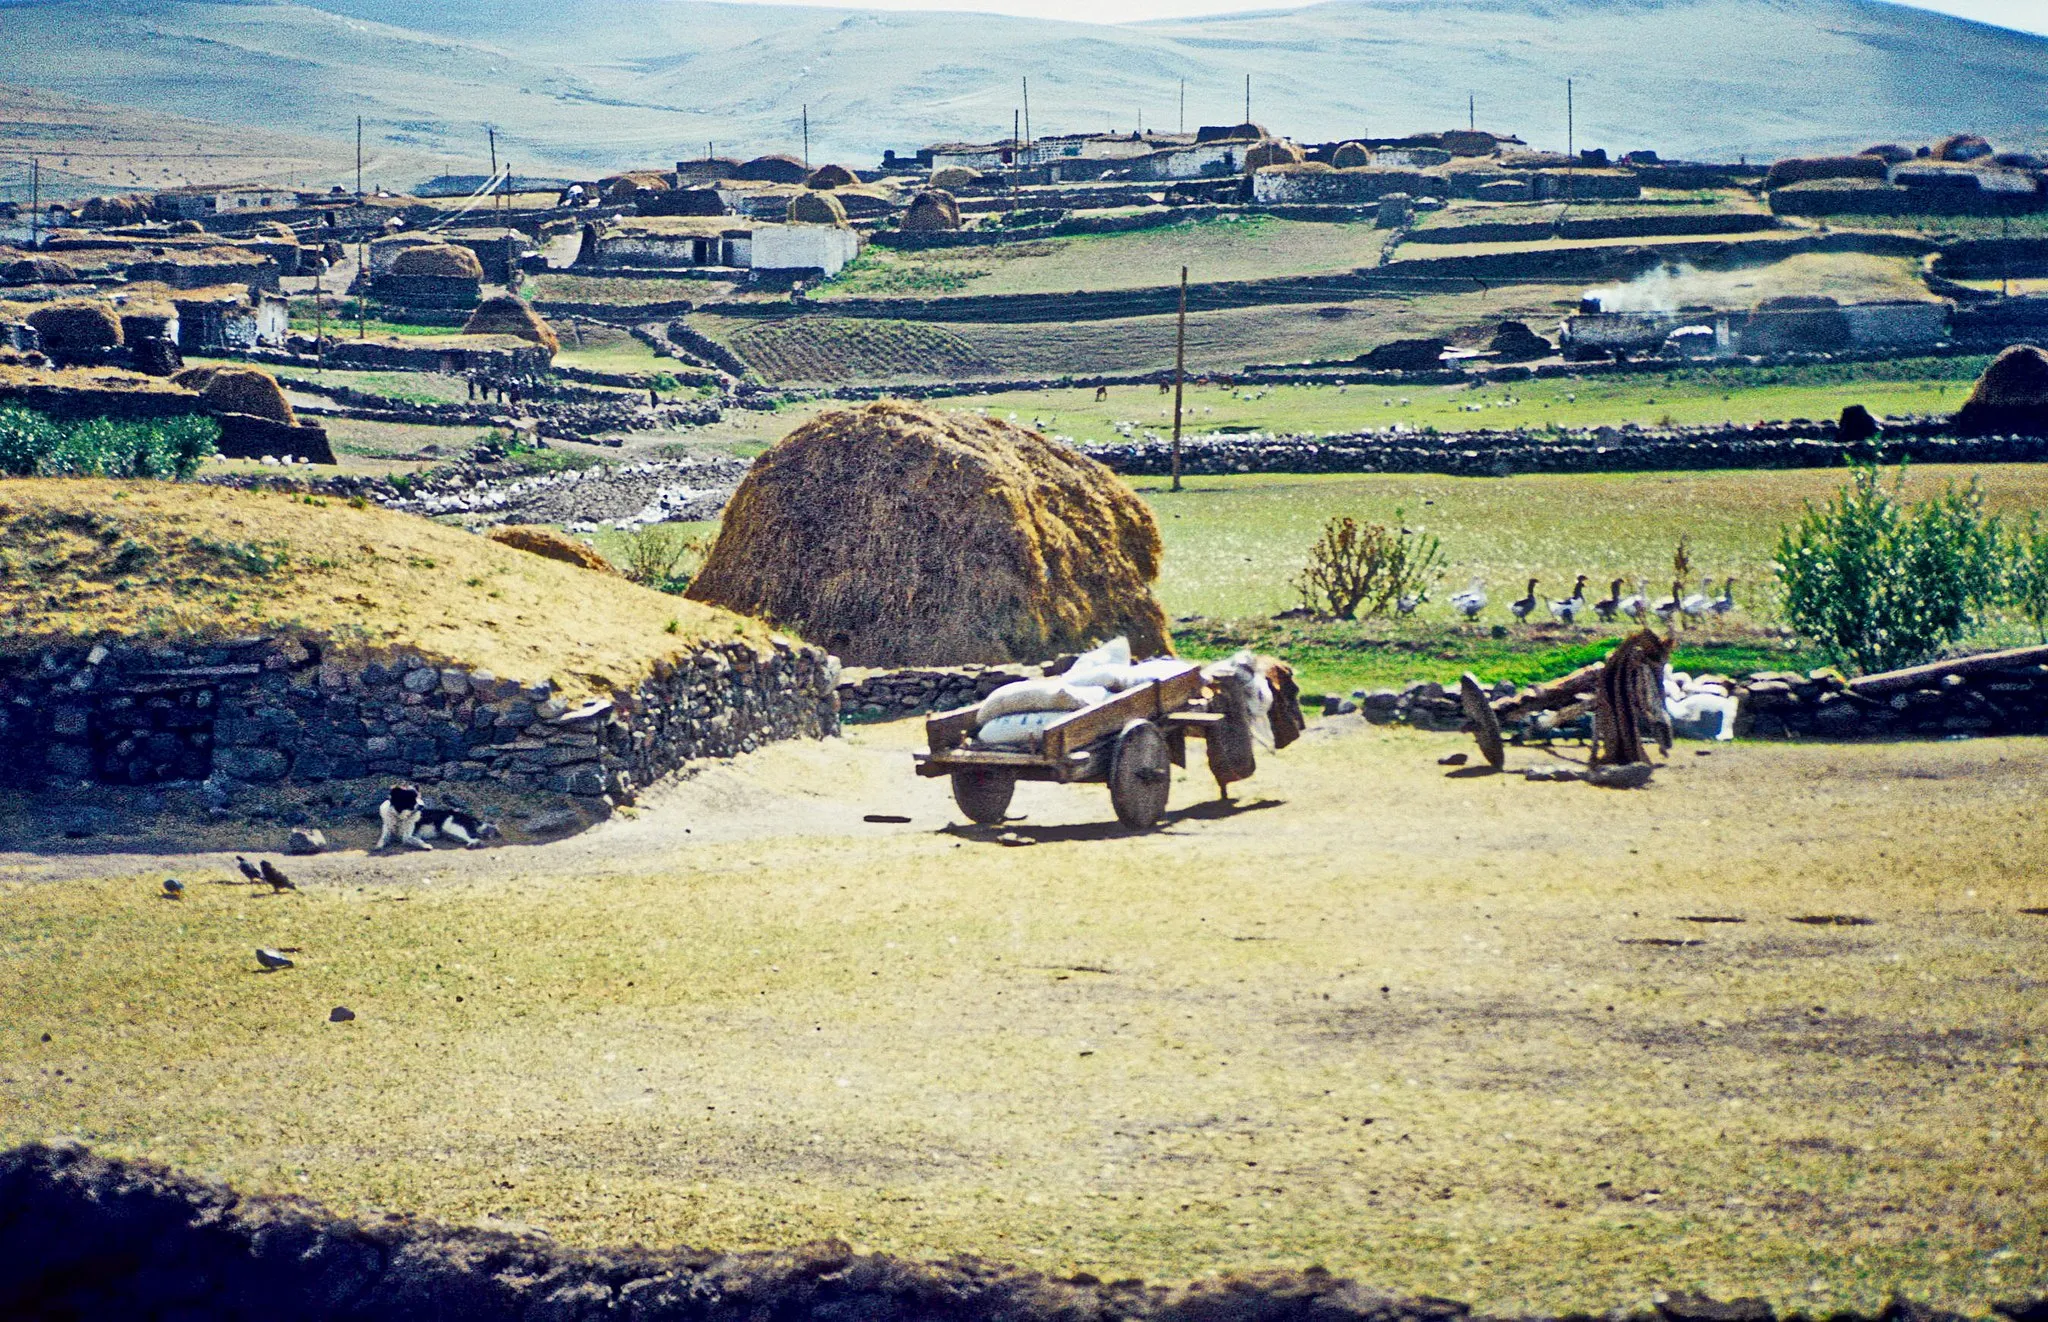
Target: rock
[(305, 840)]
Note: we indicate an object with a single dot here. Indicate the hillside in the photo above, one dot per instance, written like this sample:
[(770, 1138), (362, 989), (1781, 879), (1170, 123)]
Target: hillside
[(581, 85), (90, 559)]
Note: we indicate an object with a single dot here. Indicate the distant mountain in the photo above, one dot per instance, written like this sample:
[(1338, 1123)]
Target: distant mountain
[(584, 85)]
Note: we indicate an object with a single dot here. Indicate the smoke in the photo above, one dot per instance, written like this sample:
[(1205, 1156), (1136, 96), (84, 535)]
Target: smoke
[(1666, 289)]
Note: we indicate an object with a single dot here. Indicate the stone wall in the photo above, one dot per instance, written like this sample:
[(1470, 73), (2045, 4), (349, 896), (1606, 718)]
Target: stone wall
[(261, 712)]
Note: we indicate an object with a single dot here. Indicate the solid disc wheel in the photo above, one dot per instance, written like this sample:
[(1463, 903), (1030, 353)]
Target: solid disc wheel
[(983, 795), (1140, 776)]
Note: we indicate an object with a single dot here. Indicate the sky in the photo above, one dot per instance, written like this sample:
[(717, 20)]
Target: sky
[(2025, 15)]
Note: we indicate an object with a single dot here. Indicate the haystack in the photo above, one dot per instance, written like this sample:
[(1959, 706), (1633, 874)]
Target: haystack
[(831, 176), (548, 543), (1803, 169), (899, 535), (239, 390), (443, 259), (1272, 153), (507, 315), (37, 271), (1350, 156), (2011, 398), (933, 209), (816, 209), (76, 327), (954, 178)]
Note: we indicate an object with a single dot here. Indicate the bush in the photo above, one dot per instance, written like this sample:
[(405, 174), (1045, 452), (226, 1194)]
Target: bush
[(33, 445), (663, 557), (1369, 565), (1878, 583)]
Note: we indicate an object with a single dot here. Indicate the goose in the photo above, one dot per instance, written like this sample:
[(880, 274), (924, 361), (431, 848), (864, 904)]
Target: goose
[(1637, 605), (1522, 608), (1472, 600), (1569, 610), (1696, 604), (1610, 605), (1724, 603), (1670, 606)]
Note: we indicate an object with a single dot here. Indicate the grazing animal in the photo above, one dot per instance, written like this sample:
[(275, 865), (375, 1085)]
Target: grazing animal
[(411, 822), (1471, 601), (1569, 610), (249, 869), (173, 889), (1670, 605), (1637, 605), (1610, 605), (278, 881), (1522, 608), (1724, 603), (1696, 604)]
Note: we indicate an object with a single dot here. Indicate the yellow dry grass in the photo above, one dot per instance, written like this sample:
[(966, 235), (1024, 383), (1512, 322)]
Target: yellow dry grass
[(1402, 1025), (98, 559)]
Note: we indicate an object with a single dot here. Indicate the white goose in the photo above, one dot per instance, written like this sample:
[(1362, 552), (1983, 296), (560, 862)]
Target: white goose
[(1471, 601)]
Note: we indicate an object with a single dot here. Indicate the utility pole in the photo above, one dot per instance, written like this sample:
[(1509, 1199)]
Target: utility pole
[(1180, 372), (359, 156)]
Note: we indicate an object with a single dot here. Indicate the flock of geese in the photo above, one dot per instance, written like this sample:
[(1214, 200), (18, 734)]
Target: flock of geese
[(1680, 607)]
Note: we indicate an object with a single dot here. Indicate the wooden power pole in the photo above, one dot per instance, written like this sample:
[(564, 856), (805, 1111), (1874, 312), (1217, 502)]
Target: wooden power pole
[(1180, 372)]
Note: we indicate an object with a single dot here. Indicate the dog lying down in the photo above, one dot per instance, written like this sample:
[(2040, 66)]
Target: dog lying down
[(408, 821)]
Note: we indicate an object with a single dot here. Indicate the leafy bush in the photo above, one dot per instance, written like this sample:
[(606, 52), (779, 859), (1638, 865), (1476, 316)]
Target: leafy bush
[(34, 445), (1880, 583), (1368, 565), (663, 557)]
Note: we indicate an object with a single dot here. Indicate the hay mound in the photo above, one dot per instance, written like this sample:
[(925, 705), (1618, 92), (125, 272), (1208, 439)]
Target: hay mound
[(1272, 153), (954, 178), (443, 259), (831, 176), (1804, 169), (933, 209), (239, 390), (1350, 156), (897, 535), (506, 315), (74, 327), (2011, 397), (816, 209), (37, 271), (553, 545)]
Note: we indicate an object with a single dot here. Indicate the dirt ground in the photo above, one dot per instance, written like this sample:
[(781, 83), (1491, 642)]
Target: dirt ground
[(1538, 1046)]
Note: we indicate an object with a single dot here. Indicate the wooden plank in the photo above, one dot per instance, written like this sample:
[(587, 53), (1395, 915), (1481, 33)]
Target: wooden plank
[(944, 730), (1900, 681)]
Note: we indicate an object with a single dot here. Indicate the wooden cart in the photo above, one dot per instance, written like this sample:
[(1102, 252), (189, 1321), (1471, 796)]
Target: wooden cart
[(1132, 742)]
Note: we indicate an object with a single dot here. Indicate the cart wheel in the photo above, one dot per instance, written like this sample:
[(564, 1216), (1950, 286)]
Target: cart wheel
[(983, 795), (1139, 776)]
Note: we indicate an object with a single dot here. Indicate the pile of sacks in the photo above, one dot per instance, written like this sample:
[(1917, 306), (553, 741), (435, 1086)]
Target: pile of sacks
[(1015, 716)]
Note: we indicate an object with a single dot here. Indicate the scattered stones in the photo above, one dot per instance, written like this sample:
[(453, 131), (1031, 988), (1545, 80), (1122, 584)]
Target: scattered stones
[(305, 840)]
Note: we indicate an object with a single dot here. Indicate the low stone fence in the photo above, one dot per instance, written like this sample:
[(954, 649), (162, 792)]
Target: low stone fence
[(265, 712), (878, 694)]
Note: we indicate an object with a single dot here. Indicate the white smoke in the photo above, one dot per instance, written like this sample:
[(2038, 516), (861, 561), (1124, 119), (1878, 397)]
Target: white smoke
[(1665, 289)]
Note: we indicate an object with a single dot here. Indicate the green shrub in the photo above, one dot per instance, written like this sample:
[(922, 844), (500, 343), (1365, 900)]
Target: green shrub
[(33, 445), (1879, 583)]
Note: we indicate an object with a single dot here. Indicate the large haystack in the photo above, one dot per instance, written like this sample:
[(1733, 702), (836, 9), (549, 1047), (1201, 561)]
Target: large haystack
[(898, 535), (831, 176), (953, 178), (239, 390), (37, 271), (2011, 398), (1272, 153), (506, 315), (76, 327), (443, 259), (552, 545), (933, 209), (816, 209), (1350, 156)]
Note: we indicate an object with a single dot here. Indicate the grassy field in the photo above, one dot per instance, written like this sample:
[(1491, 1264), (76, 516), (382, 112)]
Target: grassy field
[(1414, 1028)]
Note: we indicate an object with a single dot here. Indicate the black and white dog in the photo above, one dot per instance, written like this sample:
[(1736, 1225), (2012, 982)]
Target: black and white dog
[(410, 822)]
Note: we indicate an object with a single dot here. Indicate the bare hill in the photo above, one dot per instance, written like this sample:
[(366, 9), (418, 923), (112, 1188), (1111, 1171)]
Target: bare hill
[(586, 84)]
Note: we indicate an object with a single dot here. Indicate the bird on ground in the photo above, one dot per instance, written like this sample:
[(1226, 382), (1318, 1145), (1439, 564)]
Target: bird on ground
[(1724, 603), (1695, 605), (249, 869), (1670, 605), (271, 960), (1610, 605), (1522, 608), (173, 889), (1568, 610), (1636, 605), (278, 881), (1471, 601)]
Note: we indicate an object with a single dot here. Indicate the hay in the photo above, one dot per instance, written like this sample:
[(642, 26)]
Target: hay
[(898, 535), (1272, 153), (933, 209), (2011, 398), (776, 169), (76, 326), (816, 209), (548, 543), (37, 271), (831, 176), (1350, 156), (954, 178), (1804, 169), (506, 315), (242, 390), (442, 259)]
